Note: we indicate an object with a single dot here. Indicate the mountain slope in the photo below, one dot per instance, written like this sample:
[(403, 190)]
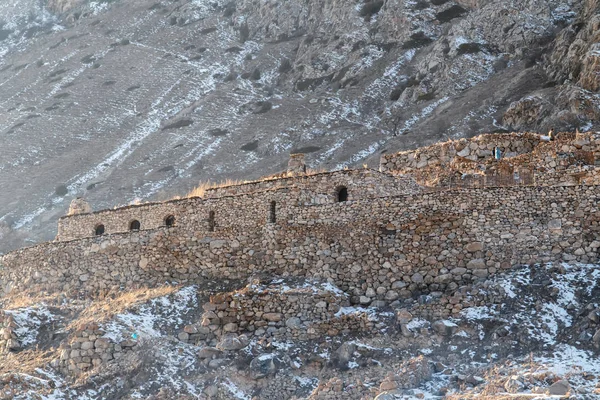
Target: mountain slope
[(124, 100)]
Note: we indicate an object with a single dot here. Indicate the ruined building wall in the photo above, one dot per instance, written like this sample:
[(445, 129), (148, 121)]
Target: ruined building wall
[(526, 159), (193, 213), (377, 248)]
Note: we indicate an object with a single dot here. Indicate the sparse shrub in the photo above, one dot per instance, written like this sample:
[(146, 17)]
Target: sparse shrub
[(244, 33), (455, 11), (371, 8), (421, 5), (232, 76), (182, 123), (218, 132), (397, 92), (285, 66), (61, 190), (255, 76), (88, 59), (229, 9), (206, 31), (417, 39), (468, 48), (426, 96), (251, 146), (306, 150)]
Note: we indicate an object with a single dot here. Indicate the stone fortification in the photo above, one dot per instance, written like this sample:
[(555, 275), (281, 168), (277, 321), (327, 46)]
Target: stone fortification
[(195, 213), (376, 236), (502, 160), (373, 249)]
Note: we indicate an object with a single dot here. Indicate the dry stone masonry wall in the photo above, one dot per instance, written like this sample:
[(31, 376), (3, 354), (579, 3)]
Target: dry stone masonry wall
[(381, 240), (88, 348), (374, 249), (294, 309), (195, 212), (502, 160), (8, 337)]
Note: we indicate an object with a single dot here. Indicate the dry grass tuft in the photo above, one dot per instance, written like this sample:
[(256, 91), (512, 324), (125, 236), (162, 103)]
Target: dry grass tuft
[(25, 362), (27, 299), (204, 186), (103, 309), (201, 189)]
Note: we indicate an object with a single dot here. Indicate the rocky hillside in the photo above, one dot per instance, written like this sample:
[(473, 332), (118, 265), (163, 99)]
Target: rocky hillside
[(505, 338), (121, 101)]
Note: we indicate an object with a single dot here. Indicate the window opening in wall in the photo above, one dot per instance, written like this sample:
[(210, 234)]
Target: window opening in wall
[(99, 230), (134, 225), (342, 194), (272, 212), (211, 221), (170, 220)]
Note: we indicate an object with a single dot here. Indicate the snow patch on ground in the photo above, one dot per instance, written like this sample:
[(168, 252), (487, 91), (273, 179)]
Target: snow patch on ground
[(29, 320), (147, 321)]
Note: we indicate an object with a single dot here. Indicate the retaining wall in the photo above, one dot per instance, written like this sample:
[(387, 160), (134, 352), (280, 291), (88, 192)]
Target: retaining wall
[(379, 248)]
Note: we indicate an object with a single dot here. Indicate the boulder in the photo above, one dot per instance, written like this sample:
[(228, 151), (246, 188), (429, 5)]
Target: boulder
[(513, 384), (478, 263), (231, 341), (474, 247), (342, 356), (445, 327), (293, 323), (559, 388), (272, 317), (208, 352), (262, 366), (596, 338)]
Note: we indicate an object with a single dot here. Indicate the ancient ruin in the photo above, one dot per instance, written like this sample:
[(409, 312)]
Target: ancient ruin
[(480, 204), (310, 251)]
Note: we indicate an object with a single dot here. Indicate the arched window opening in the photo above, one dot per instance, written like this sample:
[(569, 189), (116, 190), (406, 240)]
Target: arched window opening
[(342, 194), (273, 212), (134, 225), (99, 230), (211, 221), (170, 220)]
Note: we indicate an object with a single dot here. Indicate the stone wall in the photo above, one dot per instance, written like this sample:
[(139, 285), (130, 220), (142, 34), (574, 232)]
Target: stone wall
[(292, 308), (478, 148), (193, 213), (373, 249), (87, 348), (525, 159), (8, 338)]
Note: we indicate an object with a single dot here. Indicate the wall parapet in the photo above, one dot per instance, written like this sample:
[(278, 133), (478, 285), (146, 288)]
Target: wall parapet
[(253, 198)]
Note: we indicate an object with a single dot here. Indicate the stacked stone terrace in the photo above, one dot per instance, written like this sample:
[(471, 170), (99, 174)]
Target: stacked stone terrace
[(377, 235)]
